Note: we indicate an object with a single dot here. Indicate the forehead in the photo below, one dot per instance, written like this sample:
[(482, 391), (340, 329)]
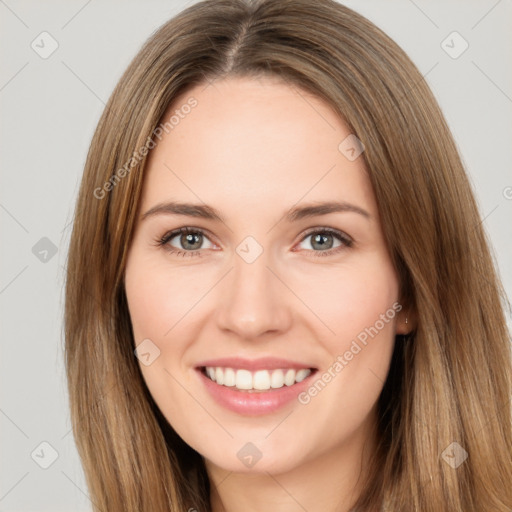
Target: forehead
[(247, 143)]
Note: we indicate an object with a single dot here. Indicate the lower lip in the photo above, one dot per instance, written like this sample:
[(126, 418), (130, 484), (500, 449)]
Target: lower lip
[(255, 403)]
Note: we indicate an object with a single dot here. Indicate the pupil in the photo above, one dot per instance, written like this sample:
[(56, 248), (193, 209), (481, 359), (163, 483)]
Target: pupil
[(322, 240), (192, 239)]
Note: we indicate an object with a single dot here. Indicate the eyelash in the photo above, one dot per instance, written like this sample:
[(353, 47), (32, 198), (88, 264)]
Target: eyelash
[(342, 237)]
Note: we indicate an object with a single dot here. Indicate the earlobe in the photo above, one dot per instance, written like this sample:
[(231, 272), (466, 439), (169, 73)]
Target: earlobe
[(405, 324), (408, 327)]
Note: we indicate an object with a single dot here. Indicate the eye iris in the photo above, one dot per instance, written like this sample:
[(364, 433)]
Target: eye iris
[(322, 240), (193, 238)]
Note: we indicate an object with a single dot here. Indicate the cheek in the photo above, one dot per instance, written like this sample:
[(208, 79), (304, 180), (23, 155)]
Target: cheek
[(361, 309), (163, 301), (350, 298), (160, 296), (159, 299), (366, 324)]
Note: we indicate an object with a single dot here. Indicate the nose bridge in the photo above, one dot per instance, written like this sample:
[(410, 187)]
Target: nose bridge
[(252, 301)]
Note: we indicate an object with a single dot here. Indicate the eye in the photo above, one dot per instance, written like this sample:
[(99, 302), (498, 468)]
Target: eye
[(323, 241), (185, 241), (188, 241)]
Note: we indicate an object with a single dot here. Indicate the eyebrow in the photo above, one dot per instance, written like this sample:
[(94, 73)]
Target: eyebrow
[(294, 214)]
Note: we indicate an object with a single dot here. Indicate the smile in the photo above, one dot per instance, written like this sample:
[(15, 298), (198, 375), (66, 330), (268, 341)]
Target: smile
[(254, 387), (260, 380)]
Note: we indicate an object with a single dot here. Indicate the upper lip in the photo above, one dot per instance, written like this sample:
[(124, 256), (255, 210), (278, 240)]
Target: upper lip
[(264, 363)]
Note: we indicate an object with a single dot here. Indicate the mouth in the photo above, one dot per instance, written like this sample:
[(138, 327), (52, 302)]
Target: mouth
[(255, 381), (254, 387)]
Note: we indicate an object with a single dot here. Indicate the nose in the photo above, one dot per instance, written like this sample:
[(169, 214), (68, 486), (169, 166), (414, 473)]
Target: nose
[(253, 301)]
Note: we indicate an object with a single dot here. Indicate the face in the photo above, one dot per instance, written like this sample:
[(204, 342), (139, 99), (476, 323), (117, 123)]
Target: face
[(267, 323)]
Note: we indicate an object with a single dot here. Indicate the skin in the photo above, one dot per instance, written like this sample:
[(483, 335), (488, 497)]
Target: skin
[(253, 149)]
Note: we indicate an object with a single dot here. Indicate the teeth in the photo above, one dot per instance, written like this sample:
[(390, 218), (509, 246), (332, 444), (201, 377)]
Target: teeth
[(229, 377), (289, 378), (243, 379), (301, 375), (277, 379), (260, 380)]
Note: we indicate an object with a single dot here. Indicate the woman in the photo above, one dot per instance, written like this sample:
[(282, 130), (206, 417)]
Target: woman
[(375, 377)]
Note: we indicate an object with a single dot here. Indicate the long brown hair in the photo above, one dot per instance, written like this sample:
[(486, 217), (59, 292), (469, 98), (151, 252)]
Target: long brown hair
[(450, 380)]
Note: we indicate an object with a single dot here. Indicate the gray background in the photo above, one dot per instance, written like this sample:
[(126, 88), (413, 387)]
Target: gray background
[(50, 107)]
